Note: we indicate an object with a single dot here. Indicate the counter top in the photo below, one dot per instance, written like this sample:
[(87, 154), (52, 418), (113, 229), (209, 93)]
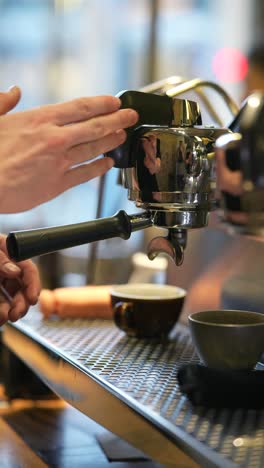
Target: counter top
[(130, 387)]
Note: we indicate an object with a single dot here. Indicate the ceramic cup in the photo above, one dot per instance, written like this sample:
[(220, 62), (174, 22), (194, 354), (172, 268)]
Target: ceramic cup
[(228, 339), (146, 310)]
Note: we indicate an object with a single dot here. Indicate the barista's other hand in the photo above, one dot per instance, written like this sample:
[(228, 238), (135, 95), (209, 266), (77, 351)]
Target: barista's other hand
[(9, 99), (42, 150), (227, 180), (22, 283)]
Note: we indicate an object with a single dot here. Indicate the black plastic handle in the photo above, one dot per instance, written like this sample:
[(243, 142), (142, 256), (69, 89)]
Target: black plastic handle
[(22, 245), (152, 109), (250, 122)]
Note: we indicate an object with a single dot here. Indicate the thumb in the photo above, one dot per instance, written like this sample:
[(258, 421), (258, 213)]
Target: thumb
[(8, 269), (9, 99)]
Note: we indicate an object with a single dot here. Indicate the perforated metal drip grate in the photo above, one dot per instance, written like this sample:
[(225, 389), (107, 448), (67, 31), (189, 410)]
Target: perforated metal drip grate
[(146, 371)]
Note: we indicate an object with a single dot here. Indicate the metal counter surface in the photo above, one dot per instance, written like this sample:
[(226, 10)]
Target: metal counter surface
[(130, 387)]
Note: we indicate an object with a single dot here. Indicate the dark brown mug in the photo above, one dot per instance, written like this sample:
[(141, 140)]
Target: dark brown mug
[(146, 310)]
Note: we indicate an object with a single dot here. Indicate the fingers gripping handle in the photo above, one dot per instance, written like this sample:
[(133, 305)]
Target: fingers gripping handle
[(152, 109)]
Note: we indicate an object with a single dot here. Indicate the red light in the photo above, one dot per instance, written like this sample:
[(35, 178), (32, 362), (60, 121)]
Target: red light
[(230, 65)]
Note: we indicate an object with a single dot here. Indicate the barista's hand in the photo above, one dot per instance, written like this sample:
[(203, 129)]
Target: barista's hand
[(227, 181), (22, 283), (41, 150), (9, 99)]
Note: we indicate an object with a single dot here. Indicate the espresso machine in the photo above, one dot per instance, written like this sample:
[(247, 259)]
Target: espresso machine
[(128, 386), (168, 167)]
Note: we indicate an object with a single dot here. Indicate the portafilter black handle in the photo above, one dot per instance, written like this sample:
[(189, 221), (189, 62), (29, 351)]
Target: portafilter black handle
[(152, 109), (22, 245)]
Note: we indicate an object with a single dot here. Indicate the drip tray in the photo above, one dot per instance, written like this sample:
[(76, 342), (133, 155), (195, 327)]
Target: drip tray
[(129, 386)]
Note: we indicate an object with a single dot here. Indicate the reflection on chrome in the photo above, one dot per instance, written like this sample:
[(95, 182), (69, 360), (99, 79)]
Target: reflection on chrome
[(174, 171)]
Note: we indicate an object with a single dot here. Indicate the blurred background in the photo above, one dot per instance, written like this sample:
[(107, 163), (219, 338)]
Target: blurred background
[(57, 50)]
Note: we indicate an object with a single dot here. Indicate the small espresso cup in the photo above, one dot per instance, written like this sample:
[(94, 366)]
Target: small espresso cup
[(146, 310)]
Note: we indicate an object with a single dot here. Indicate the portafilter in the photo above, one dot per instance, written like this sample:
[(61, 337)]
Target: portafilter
[(167, 165)]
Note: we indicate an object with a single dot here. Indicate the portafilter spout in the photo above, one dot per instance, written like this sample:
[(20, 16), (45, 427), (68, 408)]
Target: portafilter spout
[(173, 245)]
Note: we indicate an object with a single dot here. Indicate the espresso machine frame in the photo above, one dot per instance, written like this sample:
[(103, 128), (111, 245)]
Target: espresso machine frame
[(127, 385)]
